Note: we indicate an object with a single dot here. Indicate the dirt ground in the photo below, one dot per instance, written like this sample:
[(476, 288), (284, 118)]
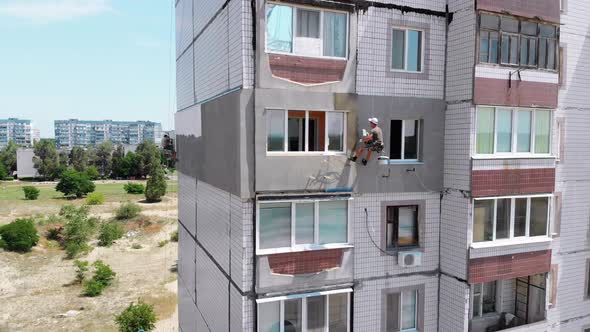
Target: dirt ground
[(36, 287)]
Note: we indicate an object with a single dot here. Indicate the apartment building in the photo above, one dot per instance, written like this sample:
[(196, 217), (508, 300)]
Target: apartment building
[(473, 218), (16, 130), (74, 132)]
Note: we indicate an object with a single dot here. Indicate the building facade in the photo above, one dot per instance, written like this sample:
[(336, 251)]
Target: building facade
[(81, 133), (472, 218), (16, 130)]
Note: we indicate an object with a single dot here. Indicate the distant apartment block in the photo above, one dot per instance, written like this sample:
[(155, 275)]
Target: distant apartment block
[(17, 130), (74, 132)]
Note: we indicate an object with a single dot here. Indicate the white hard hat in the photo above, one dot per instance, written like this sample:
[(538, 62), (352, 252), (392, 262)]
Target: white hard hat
[(374, 120)]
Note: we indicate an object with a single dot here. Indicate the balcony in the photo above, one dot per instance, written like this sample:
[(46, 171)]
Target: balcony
[(508, 304)]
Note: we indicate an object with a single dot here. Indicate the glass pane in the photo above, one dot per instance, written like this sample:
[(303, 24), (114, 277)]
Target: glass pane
[(489, 21), (528, 28), (392, 319), (505, 48), (409, 301), (407, 226), (524, 51), (551, 51), (414, 50), (494, 41), (304, 215), (335, 131), (489, 297), (476, 302), (484, 46), (483, 220), (335, 34), (338, 312), (509, 24), (514, 50), (411, 139), (397, 49), (542, 52), (293, 321), (520, 216), (504, 129), (275, 225), (532, 52), (317, 131), (279, 28), (308, 23), (503, 219), (276, 131), (333, 222), (547, 30), (485, 130), (269, 316), (316, 313), (395, 146), (523, 131), (296, 132), (539, 210), (542, 131)]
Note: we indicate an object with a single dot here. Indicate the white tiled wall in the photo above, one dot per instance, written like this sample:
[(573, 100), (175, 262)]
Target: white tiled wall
[(454, 305), (454, 234), (461, 50), (458, 146)]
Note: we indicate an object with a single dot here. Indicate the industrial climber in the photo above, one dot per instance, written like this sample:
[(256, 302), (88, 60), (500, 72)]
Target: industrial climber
[(372, 141)]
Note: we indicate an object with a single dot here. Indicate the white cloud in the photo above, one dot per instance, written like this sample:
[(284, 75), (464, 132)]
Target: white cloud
[(47, 11)]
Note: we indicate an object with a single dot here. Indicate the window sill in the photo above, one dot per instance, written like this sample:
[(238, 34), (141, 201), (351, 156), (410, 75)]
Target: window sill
[(511, 66), (511, 242), (303, 154), (266, 252), (405, 162), (406, 71), (513, 156), (398, 250), (270, 52)]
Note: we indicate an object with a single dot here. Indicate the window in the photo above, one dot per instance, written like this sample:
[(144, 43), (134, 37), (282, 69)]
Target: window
[(587, 290), (510, 217), (513, 131), (317, 32), (406, 50), (401, 226), (509, 41), (302, 224), (328, 311), (305, 131), (401, 311), (484, 299), (405, 139)]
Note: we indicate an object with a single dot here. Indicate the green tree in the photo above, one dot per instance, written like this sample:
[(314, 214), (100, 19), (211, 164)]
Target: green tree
[(156, 185), (46, 159), (3, 172), (31, 193), (81, 269), (8, 156), (119, 169), (136, 317), (148, 157), (130, 164), (92, 172), (77, 230), (103, 159), (79, 159), (73, 183), (110, 232), (20, 235)]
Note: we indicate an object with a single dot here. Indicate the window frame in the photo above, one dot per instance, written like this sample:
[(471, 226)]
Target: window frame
[(397, 247), (294, 31), (420, 309), (519, 36), (511, 238), (405, 29), (403, 141), (286, 152), (497, 297), (304, 297), (586, 296), (514, 134), (294, 247)]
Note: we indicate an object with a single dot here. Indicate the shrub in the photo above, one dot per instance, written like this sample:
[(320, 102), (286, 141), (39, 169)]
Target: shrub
[(95, 199), (77, 249), (77, 230), (109, 232), (3, 171), (134, 188), (31, 193), (92, 288), (102, 278), (55, 234), (74, 183), (136, 246), (135, 317), (127, 210), (92, 173), (156, 185), (81, 269), (163, 243), (174, 236), (20, 235)]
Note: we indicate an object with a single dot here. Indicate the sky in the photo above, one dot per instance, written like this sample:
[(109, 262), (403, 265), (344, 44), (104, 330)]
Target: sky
[(86, 59)]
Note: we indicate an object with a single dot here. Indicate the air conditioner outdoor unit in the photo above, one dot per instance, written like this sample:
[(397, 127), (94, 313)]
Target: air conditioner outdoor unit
[(409, 258)]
